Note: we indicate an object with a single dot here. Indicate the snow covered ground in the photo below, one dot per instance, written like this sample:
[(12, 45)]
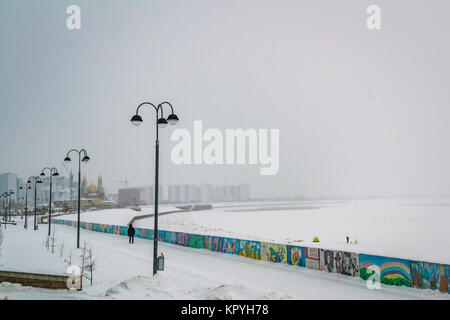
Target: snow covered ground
[(404, 228), (124, 272), (121, 217)]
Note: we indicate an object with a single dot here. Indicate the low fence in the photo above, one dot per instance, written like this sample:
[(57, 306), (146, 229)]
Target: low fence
[(392, 271), (48, 281)]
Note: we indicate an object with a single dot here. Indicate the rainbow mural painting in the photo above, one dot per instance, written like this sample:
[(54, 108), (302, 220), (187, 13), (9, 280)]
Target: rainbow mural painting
[(393, 271)]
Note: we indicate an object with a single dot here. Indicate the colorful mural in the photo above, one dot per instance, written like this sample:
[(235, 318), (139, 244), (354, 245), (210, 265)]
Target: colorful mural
[(250, 249), (212, 243), (432, 276), (339, 262), (162, 235), (295, 256), (171, 237), (273, 252), (393, 271), (196, 241), (228, 245), (183, 239), (312, 258)]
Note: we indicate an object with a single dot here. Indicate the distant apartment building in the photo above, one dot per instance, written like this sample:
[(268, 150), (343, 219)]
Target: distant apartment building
[(206, 193), (9, 182), (129, 197)]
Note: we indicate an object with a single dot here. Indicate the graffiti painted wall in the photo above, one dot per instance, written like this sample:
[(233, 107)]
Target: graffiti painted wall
[(171, 237), (295, 256), (250, 249), (393, 271), (183, 239), (339, 262), (432, 276), (228, 245), (273, 252), (196, 241), (312, 258), (212, 243)]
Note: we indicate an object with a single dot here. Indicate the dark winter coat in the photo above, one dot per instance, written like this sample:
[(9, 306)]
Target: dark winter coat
[(131, 231)]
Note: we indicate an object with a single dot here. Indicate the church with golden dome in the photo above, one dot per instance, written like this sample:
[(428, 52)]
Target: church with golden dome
[(92, 191)]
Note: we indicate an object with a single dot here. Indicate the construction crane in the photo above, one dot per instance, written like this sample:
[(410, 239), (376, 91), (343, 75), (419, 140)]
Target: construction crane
[(121, 181), (71, 180)]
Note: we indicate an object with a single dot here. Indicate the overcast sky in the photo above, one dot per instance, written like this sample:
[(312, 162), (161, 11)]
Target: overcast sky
[(360, 112)]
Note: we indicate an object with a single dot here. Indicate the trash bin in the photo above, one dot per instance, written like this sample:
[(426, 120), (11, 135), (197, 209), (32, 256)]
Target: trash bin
[(161, 262)]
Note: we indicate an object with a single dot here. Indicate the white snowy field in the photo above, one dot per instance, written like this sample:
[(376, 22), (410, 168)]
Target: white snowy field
[(121, 217), (404, 228), (124, 272)]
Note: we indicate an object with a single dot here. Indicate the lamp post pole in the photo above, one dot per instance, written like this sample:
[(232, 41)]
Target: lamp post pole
[(85, 159), (36, 181), (53, 173), (172, 119), (26, 206), (9, 205), (27, 187), (4, 207)]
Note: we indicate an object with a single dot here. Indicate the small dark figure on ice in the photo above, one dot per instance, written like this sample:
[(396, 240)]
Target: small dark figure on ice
[(131, 232), (348, 239)]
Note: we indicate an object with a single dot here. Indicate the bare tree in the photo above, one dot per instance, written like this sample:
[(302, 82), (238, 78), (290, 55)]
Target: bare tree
[(83, 257), (52, 240), (69, 260), (1, 241), (61, 249), (47, 243), (91, 265)]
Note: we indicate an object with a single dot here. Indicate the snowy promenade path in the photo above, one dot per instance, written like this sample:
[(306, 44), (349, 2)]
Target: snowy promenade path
[(125, 272)]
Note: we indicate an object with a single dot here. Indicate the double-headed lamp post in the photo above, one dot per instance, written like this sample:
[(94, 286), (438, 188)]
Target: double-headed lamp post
[(83, 159), (160, 122), (36, 181), (53, 173), (27, 187)]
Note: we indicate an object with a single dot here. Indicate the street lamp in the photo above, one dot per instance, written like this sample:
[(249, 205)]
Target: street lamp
[(3, 196), (160, 122), (85, 159), (27, 187), (53, 173), (7, 196), (36, 181)]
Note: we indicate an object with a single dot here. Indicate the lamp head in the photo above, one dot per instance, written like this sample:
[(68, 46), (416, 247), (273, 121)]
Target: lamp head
[(85, 159), (136, 120), (67, 159), (162, 122), (55, 174), (42, 174), (172, 119)]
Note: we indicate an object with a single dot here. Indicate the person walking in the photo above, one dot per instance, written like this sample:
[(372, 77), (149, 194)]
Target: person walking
[(131, 232)]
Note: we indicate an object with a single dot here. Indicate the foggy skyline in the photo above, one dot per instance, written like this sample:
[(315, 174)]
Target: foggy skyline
[(359, 112)]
